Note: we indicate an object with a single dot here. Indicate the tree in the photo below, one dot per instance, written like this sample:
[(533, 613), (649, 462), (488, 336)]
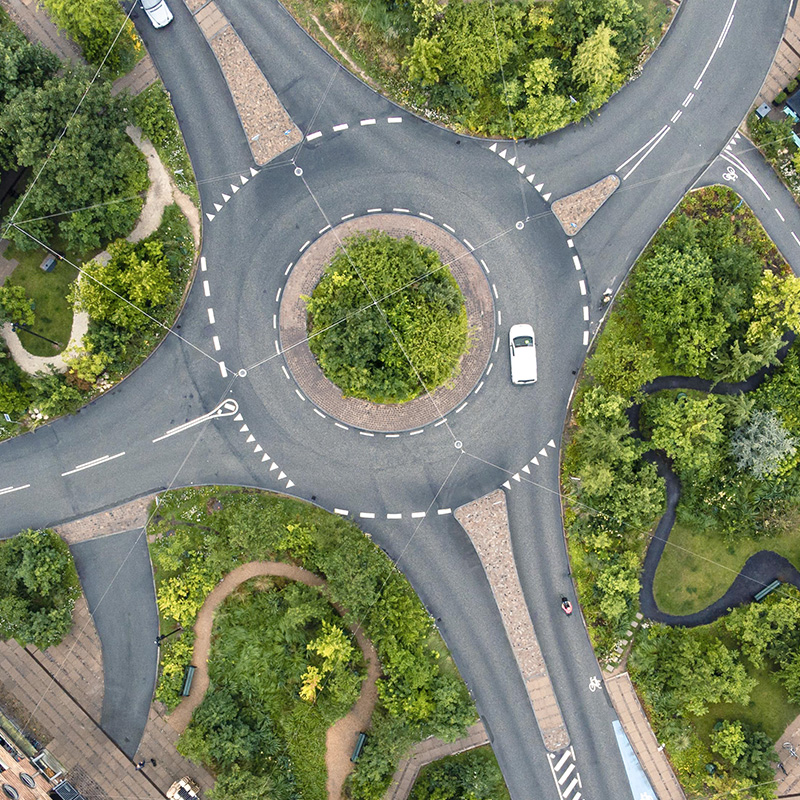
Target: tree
[(762, 444), (15, 305), (22, 64), (776, 307), (728, 740), (38, 588), (596, 64)]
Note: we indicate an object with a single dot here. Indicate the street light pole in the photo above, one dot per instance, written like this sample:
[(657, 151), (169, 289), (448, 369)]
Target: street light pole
[(20, 326), (163, 636)]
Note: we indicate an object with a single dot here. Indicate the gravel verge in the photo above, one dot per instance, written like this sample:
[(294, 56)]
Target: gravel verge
[(575, 210)]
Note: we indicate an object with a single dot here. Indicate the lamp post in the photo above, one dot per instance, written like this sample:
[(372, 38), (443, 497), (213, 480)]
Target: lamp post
[(163, 636), (19, 326)]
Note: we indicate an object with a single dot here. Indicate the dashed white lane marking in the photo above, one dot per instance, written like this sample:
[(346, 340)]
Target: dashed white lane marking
[(373, 210), (278, 295), (416, 433), (211, 316), (499, 317), (368, 122), (215, 340), (347, 216), (582, 285), (489, 369), (319, 413), (479, 387), (447, 227), (497, 344), (570, 243), (586, 313), (206, 289), (585, 338), (401, 210), (312, 136), (440, 422), (274, 322), (367, 515), (300, 395), (10, 489), (365, 433), (417, 514), (689, 98), (795, 237), (576, 261), (343, 127), (392, 120), (442, 511), (277, 348), (676, 116), (343, 427), (95, 463), (394, 516), (780, 215), (327, 227), (203, 266), (285, 372), (468, 244), (343, 511), (426, 216), (392, 435), (483, 264), (286, 271), (222, 370), (462, 406), (494, 289), (305, 245)]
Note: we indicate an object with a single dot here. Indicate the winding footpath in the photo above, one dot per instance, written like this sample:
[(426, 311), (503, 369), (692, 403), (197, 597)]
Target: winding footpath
[(342, 734), (759, 570)]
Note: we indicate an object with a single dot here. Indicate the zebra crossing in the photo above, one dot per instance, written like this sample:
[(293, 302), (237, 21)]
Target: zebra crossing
[(566, 775)]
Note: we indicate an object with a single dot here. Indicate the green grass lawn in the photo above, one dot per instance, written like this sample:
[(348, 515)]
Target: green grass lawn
[(698, 566), (49, 291)]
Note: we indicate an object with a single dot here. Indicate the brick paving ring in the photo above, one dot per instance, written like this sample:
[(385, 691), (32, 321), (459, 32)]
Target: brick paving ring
[(388, 417)]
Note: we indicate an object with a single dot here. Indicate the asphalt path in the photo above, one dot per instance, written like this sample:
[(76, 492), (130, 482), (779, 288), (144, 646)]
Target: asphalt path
[(117, 580), (458, 182)]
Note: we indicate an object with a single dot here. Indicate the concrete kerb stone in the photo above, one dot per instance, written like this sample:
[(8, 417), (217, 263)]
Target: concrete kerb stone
[(360, 413)]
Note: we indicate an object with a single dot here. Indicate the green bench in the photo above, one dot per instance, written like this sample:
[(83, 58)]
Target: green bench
[(188, 677), (362, 738), (766, 590)]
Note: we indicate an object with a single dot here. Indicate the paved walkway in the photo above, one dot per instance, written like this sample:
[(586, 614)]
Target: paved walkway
[(637, 728), (486, 522), (789, 783), (786, 65), (268, 126), (426, 752)]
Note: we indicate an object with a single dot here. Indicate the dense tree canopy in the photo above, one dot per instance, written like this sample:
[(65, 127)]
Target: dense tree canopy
[(38, 588), (387, 321)]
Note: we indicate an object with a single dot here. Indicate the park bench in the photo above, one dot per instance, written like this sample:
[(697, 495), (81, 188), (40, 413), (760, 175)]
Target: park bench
[(187, 681), (362, 738), (766, 590)]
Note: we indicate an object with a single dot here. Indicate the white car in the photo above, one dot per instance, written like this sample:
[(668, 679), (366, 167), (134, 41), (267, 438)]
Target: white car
[(522, 344), (158, 12)]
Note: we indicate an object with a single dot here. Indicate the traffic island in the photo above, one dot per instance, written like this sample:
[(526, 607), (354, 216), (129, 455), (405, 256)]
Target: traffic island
[(575, 210)]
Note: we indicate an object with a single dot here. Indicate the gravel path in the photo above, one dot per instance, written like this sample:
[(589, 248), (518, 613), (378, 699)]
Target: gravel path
[(341, 736)]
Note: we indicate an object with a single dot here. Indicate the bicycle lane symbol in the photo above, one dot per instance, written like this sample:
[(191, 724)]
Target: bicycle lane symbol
[(730, 175)]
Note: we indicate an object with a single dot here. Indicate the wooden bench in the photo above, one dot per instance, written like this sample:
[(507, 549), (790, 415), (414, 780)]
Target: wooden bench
[(188, 677), (766, 590), (362, 738)]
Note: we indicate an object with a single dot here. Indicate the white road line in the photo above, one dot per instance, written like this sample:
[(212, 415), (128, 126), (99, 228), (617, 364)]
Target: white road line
[(780, 215), (343, 427), (342, 127), (392, 120), (277, 347), (446, 226), (497, 344), (312, 136), (392, 435), (417, 514), (305, 245), (468, 244), (676, 116), (576, 261), (286, 271), (366, 515), (394, 516), (423, 214), (211, 316), (494, 289), (586, 313), (643, 147), (442, 511), (489, 368), (286, 373), (300, 395), (343, 511), (401, 210), (327, 227), (479, 387), (365, 433), (646, 153), (347, 216), (203, 266), (206, 289), (567, 772), (373, 210), (319, 413), (570, 243), (215, 340), (10, 489), (794, 236), (697, 84), (462, 406), (585, 338), (440, 422), (483, 264), (499, 317), (562, 760), (367, 121), (90, 464), (416, 433), (737, 162), (222, 370), (582, 285), (688, 99), (278, 295), (572, 785), (274, 322)]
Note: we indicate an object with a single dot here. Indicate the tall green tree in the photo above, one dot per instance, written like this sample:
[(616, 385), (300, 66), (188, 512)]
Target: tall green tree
[(15, 305), (596, 64)]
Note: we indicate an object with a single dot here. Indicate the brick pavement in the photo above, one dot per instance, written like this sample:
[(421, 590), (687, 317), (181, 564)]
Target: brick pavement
[(144, 74), (789, 783), (486, 522), (268, 126), (390, 416), (786, 65), (34, 21), (637, 728), (430, 750)]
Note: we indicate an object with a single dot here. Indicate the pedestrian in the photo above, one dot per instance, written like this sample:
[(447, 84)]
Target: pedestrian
[(153, 762), (140, 765)]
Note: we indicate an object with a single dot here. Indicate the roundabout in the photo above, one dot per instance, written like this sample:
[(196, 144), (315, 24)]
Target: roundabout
[(388, 417)]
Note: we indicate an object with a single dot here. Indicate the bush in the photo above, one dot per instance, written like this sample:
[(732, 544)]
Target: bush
[(474, 775), (387, 320), (175, 655), (38, 588)]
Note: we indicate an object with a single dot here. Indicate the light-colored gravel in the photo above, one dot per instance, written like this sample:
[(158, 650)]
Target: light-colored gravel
[(575, 210)]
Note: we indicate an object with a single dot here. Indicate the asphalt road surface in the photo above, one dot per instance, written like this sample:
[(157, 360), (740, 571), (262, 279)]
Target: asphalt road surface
[(659, 134)]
